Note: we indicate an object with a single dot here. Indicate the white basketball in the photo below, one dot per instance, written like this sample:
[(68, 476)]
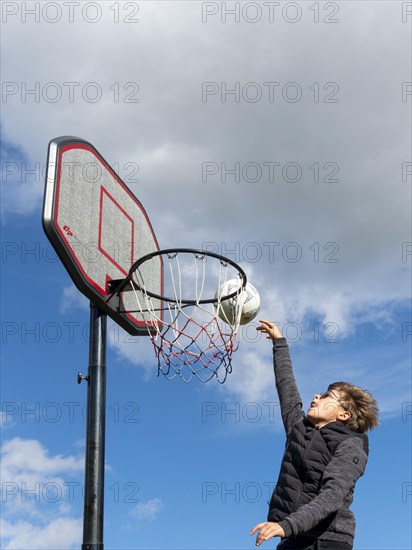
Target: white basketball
[(247, 300)]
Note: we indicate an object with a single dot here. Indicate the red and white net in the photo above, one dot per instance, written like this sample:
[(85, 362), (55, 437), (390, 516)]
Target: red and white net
[(191, 338)]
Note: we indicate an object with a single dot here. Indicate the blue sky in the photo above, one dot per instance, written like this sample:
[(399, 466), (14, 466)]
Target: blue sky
[(193, 465)]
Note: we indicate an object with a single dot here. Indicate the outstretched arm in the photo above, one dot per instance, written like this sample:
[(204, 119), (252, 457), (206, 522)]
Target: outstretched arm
[(289, 397)]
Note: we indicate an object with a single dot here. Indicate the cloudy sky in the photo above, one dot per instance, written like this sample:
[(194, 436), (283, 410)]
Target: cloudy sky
[(276, 133)]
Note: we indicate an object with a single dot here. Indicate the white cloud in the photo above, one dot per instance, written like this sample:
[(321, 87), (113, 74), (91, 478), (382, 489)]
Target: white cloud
[(37, 501), (58, 534), (252, 376), (147, 510), (20, 456), (21, 189), (73, 299), (137, 350)]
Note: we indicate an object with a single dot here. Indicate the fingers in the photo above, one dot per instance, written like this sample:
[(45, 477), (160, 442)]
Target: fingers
[(256, 528), (259, 538), (271, 329), (267, 530), (265, 326), (264, 529)]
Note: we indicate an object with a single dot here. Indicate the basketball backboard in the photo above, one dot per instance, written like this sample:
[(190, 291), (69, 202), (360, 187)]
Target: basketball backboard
[(97, 227)]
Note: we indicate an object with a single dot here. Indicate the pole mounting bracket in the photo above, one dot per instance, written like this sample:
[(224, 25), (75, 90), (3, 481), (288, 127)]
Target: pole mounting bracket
[(80, 377)]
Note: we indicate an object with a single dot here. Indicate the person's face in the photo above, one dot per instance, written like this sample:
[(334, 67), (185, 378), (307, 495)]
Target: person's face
[(326, 407)]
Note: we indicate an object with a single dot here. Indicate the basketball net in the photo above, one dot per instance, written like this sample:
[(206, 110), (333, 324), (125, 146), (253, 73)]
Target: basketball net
[(192, 338)]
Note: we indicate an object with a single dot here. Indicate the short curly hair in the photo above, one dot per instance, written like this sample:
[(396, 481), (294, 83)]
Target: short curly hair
[(361, 405)]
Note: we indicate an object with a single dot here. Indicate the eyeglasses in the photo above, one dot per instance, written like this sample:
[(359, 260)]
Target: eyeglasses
[(330, 393)]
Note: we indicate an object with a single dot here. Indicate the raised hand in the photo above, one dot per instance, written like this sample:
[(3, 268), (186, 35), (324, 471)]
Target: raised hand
[(270, 329)]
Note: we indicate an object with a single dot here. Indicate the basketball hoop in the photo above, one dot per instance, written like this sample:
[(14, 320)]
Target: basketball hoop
[(191, 335)]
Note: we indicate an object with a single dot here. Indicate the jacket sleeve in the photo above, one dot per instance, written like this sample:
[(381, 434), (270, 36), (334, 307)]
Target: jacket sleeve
[(340, 475), (289, 397)]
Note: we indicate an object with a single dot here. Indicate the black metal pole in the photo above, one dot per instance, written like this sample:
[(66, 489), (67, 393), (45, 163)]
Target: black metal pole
[(95, 433)]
